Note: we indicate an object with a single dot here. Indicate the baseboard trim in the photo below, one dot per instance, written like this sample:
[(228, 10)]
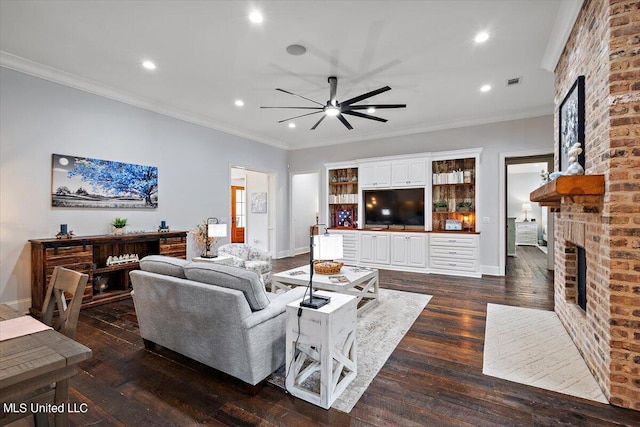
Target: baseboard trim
[(490, 270), (21, 305)]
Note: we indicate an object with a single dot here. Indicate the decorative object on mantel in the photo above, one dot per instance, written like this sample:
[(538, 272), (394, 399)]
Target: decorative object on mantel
[(83, 182), (575, 168), (544, 176), (119, 225), (122, 259), (163, 227), (64, 232), (554, 175), (571, 122)]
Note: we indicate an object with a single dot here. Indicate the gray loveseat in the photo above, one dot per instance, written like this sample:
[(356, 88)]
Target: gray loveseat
[(216, 314)]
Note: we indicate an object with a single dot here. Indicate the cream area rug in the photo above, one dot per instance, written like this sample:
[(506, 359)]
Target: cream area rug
[(380, 329), (531, 347)]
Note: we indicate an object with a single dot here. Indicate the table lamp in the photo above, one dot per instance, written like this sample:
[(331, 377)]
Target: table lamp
[(526, 207), (215, 230), (322, 247)]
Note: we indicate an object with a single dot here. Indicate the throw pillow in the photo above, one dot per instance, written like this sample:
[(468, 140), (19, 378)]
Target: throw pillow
[(226, 276)]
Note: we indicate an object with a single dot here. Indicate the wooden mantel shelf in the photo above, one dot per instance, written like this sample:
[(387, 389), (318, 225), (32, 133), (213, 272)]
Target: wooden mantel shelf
[(568, 185)]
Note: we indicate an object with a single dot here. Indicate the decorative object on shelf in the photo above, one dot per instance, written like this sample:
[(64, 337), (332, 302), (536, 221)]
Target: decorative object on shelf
[(119, 225), (574, 168), (208, 234), (354, 178), (64, 232), (344, 215), (334, 178), (554, 175), (440, 206), (163, 227), (122, 259), (571, 122), (100, 283), (465, 207), (102, 183), (526, 207), (453, 225), (324, 247), (259, 202)]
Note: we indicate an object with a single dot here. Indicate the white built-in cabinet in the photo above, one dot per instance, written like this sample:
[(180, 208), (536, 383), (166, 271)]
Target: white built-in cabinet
[(374, 248), (350, 245), (408, 249), (455, 254), (375, 174), (408, 172)]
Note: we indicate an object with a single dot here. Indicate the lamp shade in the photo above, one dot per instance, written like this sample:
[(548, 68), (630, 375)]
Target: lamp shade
[(327, 246), (526, 207), (216, 230)]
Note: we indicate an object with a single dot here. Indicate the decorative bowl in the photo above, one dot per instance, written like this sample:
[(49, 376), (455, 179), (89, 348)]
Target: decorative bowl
[(327, 267)]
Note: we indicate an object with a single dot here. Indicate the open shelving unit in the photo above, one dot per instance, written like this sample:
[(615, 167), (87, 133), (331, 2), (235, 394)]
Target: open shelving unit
[(453, 182), (89, 255), (343, 194)]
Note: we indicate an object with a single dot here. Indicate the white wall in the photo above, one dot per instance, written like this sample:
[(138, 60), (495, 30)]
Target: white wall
[(495, 138), (39, 118), (519, 187), (304, 205), (257, 231)]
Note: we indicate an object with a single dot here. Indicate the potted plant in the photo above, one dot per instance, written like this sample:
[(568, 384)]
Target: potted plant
[(465, 207), (440, 206), (119, 224)]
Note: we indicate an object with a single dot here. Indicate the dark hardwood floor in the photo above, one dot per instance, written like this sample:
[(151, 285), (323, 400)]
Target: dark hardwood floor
[(433, 378)]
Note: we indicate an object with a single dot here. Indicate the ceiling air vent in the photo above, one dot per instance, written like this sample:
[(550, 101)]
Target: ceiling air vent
[(514, 81)]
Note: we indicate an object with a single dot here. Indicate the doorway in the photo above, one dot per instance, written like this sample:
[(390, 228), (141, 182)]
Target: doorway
[(305, 190), (527, 222), (238, 213)]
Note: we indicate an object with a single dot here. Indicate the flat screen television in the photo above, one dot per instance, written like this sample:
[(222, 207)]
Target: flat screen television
[(394, 207)]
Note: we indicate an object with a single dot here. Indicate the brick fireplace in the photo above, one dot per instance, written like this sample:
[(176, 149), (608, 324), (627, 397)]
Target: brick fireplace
[(604, 46)]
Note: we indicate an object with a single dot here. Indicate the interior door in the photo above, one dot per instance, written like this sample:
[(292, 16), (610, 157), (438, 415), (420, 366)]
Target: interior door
[(238, 214)]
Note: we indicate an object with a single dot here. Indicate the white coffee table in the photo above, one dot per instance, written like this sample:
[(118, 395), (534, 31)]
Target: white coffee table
[(358, 281)]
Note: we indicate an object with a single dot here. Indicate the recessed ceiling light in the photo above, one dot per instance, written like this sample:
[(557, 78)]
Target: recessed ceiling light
[(485, 88), (239, 102), (149, 65), (292, 125), (482, 37), (256, 17), (371, 110)]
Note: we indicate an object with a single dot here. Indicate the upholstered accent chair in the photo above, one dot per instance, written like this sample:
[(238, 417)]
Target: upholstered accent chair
[(249, 258)]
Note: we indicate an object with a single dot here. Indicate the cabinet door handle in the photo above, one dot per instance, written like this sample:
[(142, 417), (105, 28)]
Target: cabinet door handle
[(453, 252), (452, 264)]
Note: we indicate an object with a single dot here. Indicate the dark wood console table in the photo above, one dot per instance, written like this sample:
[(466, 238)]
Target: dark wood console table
[(88, 254)]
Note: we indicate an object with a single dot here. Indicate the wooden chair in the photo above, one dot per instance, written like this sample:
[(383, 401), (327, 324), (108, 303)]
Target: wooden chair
[(64, 281), (70, 282)]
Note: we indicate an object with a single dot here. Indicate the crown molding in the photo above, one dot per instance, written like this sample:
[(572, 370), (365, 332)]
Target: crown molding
[(565, 19), (55, 75)]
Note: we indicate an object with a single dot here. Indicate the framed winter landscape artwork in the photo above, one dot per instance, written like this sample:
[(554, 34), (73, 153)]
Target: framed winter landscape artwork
[(82, 182), (258, 202), (571, 123)]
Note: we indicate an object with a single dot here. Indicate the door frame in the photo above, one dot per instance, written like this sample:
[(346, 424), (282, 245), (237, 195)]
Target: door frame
[(502, 206)]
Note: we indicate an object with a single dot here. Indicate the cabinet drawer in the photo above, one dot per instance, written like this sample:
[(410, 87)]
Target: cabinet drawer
[(453, 252), (453, 264), (456, 240)]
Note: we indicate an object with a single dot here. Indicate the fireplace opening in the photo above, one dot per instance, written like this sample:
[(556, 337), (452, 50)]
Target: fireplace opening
[(581, 258)]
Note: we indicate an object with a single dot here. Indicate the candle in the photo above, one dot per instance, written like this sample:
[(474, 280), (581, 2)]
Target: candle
[(163, 224), (63, 228)]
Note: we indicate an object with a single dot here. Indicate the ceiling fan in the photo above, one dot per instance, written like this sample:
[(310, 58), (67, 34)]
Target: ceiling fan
[(339, 109)]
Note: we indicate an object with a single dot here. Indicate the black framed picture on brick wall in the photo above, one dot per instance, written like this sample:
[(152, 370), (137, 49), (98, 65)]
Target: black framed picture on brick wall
[(571, 123)]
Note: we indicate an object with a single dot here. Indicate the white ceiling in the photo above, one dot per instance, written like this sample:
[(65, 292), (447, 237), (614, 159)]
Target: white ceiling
[(208, 54)]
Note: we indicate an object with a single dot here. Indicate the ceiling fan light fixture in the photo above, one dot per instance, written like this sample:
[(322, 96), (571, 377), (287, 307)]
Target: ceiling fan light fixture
[(332, 111)]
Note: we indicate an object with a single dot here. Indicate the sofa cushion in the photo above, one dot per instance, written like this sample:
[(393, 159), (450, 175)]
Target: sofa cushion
[(227, 276), (166, 265)]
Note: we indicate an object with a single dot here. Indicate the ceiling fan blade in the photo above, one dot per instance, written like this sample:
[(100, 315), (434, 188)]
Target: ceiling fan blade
[(365, 96), (344, 121), (333, 87), (318, 122), (364, 116), (299, 96), (378, 106), (302, 115), (300, 108)]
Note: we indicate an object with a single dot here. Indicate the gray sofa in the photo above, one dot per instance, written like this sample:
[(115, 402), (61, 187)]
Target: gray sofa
[(216, 314)]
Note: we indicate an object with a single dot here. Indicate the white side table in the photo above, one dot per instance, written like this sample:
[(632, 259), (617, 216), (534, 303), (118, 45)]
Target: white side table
[(220, 259), (325, 342)]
